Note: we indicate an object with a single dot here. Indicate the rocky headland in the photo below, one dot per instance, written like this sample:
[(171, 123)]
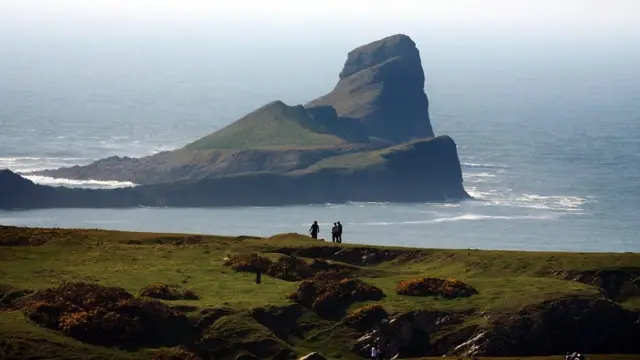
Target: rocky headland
[(369, 139)]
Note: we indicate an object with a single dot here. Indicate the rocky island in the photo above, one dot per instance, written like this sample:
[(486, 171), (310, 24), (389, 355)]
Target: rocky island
[(369, 139), (95, 294)]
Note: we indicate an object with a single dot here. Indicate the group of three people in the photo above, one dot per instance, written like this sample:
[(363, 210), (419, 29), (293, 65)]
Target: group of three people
[(336, 231)]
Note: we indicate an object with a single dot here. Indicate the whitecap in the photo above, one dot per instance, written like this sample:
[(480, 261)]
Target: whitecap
[(480, 175), (100, 184), (463, 217), (483, 166)]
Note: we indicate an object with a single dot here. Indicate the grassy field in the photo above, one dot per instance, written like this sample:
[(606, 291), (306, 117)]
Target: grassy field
[(274, 125), (42, 258)]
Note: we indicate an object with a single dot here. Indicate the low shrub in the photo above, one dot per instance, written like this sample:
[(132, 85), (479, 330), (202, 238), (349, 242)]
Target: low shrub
[(426, 286), (248, 262), (290, 268), (366, 317), (167, 292), (104, 315), (327, 295)]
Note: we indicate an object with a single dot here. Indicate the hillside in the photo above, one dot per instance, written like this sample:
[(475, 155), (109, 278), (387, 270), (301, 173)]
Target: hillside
[(195, 297), (275, 125), (378, 102)]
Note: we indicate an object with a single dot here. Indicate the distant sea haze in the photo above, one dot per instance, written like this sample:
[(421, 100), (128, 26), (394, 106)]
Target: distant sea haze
[(548, 147)]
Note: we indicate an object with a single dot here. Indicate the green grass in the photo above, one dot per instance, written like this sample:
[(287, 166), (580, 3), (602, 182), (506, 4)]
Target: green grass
[(274, 125), (506, 280), (365, 159)]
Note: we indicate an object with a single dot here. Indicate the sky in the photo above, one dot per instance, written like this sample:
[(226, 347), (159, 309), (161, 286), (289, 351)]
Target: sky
[(264, 19)]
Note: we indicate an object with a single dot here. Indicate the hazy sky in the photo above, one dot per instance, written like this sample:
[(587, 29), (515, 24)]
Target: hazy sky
[(569, 19)]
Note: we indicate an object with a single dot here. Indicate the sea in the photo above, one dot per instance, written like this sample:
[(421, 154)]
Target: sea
[(548, 136)]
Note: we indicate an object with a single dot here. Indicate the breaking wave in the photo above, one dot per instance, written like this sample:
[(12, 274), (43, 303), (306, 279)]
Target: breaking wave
[(91, 184)]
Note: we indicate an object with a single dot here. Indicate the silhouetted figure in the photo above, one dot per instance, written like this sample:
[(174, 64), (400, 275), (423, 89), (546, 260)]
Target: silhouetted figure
[(339, 232), (334, 233), (314, 230), (258, 276)]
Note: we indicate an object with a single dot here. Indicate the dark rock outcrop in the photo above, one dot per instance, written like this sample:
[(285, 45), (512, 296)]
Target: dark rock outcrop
[(382, 85), (587, 325), (591, 326), (408, 334), (617, 284)]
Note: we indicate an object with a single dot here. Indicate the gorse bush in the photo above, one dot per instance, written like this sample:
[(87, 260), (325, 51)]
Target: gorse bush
[(167, 292), (426, 286), (103, 315), (248, 262), (290, 268), (366, 317), (326, 295)]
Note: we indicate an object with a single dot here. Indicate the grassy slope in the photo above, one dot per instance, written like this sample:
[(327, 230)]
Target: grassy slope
[(272, 126), (364, 159), (505, 280)]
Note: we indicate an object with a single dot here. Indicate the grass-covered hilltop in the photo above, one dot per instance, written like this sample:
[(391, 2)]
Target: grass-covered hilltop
[(124, 295), (343, 146)]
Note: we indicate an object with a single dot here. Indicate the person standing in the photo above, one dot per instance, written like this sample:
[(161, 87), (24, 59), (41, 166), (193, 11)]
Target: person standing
[(374, 353), (314, 230), (339, 232), (334, 233)]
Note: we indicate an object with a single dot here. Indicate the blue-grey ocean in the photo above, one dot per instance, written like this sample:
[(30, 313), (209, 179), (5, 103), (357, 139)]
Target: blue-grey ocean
[(549, 138)]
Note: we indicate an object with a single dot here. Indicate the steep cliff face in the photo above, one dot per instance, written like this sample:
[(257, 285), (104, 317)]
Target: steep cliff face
[(382, 85)]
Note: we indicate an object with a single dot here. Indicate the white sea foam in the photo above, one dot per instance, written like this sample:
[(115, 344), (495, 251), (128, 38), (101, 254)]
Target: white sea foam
[(506, 197), (95, 184), (28, 164), (483, 166), (480, 175), (463, 217)]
